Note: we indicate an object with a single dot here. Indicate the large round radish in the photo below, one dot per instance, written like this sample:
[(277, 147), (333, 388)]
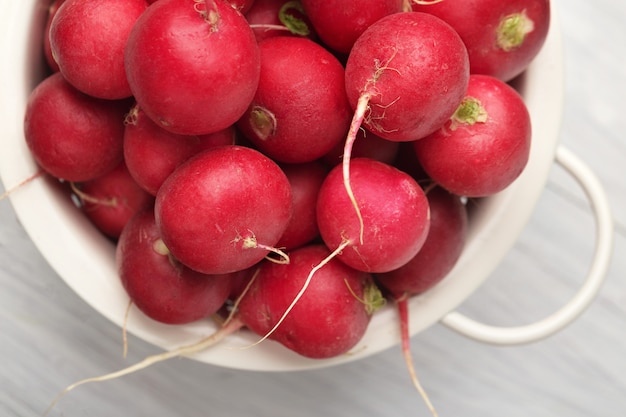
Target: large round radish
[(339, 23), (300, 110), (328, 319), (394, 210), (192, 65), (224, 209), (405, 75), (502, 37), (440, 252), (71, 135), (485, 146), (159, 285), (83, 30)]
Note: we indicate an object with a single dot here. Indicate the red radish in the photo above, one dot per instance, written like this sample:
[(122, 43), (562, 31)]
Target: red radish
[(328, 319), (110, 200), (192, 65), (306, 180), (269, 18), (502, 37), (366, 145), (71, 135), (159, 285), (485, 146), (224, 209), (82, 30), (339, 23), (152, 153), (395, 214), (300, 110), (242, 6), (441, 250)]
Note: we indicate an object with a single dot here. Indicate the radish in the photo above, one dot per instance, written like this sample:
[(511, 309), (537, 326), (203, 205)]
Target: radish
[(47, 50), (485, 146), (224, 209), (82, 30), (110, 200), (502, 37), (394, 210), (305, 180), (192, 65), (152, 153), (339, 23), (71, 135), (328, 319), (158, 284), (300, 110), (366, 145)]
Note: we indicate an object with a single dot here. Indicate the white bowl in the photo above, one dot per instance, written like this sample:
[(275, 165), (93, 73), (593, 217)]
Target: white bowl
[(85, 260)]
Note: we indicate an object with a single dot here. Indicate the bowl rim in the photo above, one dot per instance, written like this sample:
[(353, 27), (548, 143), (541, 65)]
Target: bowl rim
[(84, 259)]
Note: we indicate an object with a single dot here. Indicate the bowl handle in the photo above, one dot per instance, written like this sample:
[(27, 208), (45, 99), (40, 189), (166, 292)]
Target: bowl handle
[(587, 292)]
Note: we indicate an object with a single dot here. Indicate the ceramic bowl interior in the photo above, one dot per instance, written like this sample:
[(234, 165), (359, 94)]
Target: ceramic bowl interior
[(85, 260)]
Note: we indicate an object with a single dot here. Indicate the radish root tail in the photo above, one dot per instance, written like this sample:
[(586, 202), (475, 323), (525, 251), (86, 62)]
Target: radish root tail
[(403, 310), (228, 328), (21, 184)]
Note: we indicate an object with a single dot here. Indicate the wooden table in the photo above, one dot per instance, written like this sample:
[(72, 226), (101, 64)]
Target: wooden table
[(49, 337)]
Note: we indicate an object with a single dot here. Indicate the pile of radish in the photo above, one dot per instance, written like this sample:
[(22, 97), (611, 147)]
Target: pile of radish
[(283, 166)]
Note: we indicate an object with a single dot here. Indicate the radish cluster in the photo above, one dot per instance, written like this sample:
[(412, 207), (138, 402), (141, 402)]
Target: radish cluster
[(292, 163)]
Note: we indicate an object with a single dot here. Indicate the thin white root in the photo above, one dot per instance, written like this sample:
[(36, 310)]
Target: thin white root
[(355, 125), (20, 184), (124, 328), (402, 304), (316, 268), (283, 257), (187, 350)]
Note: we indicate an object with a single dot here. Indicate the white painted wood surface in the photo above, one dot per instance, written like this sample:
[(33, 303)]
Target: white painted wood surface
[(50, 338)]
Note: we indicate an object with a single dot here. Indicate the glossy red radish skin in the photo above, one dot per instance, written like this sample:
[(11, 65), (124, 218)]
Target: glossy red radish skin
[(406, 74), (327, 321), (73, 136), (367, 145), (110, 200), (269, 18), (82, 30), (221, 210), (339, 23), (300, 110), (47, 50), (159, 285), (485, 147), (441, 250), (395, 216), (192, 65), (502, 37)]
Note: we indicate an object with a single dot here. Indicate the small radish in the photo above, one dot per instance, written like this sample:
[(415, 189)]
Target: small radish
[(306, 180), (152, 153), (158, 284), (224, 209), (82, 30), (192, 65), (269, 18), (395, 216), (300, 110), (110, 200), (485, 146), (502, 37), (339, 23), (71, 135), (328, 319)]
